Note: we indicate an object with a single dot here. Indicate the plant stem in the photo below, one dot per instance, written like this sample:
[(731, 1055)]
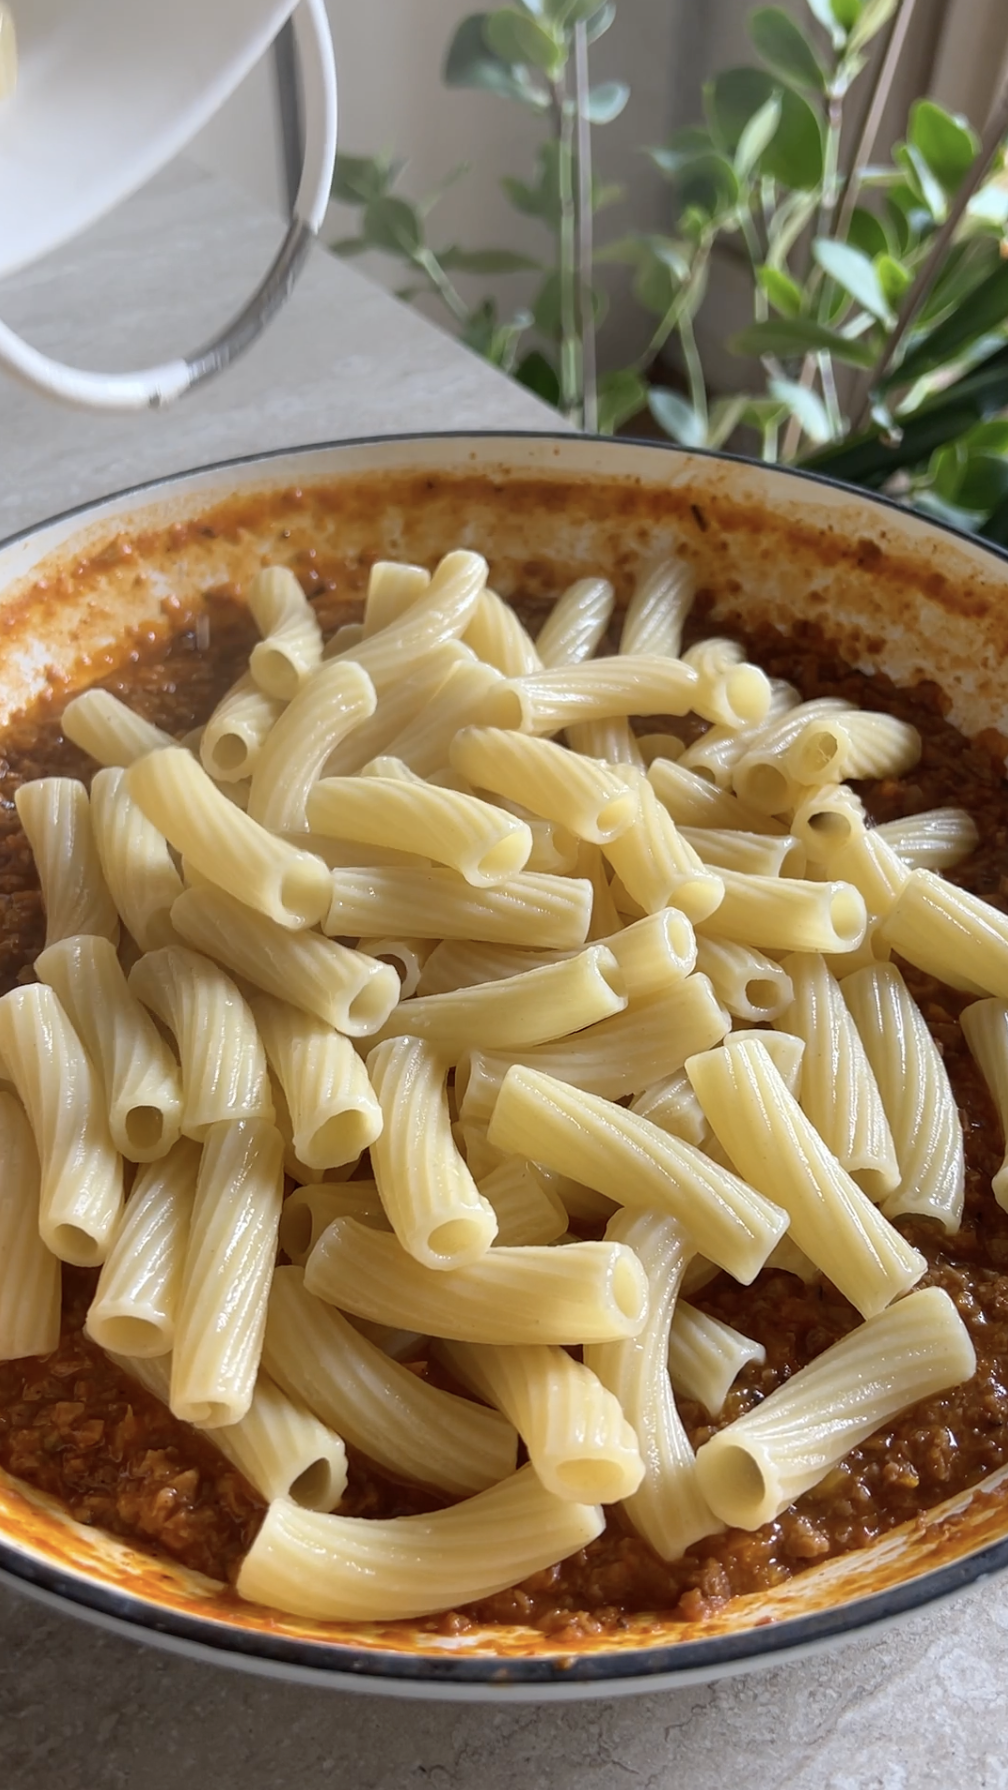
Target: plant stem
[(570, 346), (874, 115), (684, 303), (994, 132), (694, 368), (761, 304), (429, 264), (586, 296)]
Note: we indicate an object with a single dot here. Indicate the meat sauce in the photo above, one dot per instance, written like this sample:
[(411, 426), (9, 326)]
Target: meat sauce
[(72, 1425)]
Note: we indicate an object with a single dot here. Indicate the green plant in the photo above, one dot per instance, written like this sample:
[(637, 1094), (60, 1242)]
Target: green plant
[(879, 290)]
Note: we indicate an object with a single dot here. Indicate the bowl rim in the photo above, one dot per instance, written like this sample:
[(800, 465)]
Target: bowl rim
[(485, 1677)]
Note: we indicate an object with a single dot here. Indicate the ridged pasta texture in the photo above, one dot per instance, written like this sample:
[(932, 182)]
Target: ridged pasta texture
[(333, 1111), (333, 701), (136, 1300), (55, 814), (706, 1356), (576, 623), (291, 644), (223, 1062), (29, 1272), (109, 732), (531, 909), (136, 862)]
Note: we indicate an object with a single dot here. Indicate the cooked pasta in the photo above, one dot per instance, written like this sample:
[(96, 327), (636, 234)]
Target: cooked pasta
[(873, 868), (653, 954), (483, 843), (408, 958), (657, 867), (442, 613), (407, 1426), (332, 702), (140, 1079), (705, 1356), (221, 1315), (692, 801), (857, 743), (839, 1090), (757, 854), (770, 1141), (578, 1440), (776, 913), (136, 1299), (531, 909), (718, 753), (827, 819), (761, 777), (398, 704), (429, 1195), (612, 739), (108, 731), (668, 1509), (345, 988), (471, 695), (310, 1209), (81, 1186), (605, 920), (352, 1568), (951, 934), (29, 1272), (654, 617), (934, 840), (223, 1062), (588, 797), (916, 1094), (333, 1110), (672, 1105), (985, 1028), (499, 638), (758, 1465), (576, 623), (752, 987), (55, 814), (136, 862), (632, 1161), (520, 1011), (581, 1292), (732, 692), (223, 844), (291, 644), (651, 1039), (393, 587), (231, 743), (602, 688), (525, 1206)]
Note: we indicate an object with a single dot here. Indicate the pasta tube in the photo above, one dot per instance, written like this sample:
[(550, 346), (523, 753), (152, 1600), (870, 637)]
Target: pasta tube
[(484, 844), (706, 1357), (749, 984), (873, 868), (692, 801), (578, 1440), (282, 1450), (330, 705), (580, 1292), (951, 934), (916, 1094), (588, 797), (291, 644), (733, 693), (855, 744), (658, 868), (651, 1039), (719, 752), (398, 705), (632, 1161), (223, 1063), (526, 1208), (470, 695), (669, 1509), (653, 954), (499, 638), (604, 918), (408, 958), (431, 1199), (672, 1105), (310, 1209), (935, 840), (408, 1427), (839, 1090), (606, 687), (531, 909), (654, 617), (135, 861), (770, 1141), (613, 739), (56, 817), (826, 820), (232, 741), (443, 613), (136, 1299), (985, 1028), (224, 845), (108, 731), (758, 1465), (333, 1111), (576, 624), (393, 588), (356, 1568), (29, 1272), (776, 913), (761, 777), (757, 854), (221, 1315), (81, 1187), (517, 1012), (343, 988), (140, 1078)]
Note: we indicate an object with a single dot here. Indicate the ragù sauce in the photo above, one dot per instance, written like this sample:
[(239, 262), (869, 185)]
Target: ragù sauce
[(73, 1426)]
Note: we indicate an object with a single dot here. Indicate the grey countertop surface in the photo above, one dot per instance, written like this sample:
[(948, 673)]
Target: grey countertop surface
[(919, 1706)]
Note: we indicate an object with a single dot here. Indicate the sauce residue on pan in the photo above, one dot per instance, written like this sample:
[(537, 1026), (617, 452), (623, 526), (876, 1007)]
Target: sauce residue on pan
[(74, 1427)]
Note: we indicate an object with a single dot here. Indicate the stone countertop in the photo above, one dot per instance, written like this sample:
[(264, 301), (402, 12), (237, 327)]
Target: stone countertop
[(920, 1706)]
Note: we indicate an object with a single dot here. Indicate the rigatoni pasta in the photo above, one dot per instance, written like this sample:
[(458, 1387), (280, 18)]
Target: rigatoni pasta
[(108, 731), (136, 863), (135, 1302), (56, 816), (29, 1272), (223, 1062), (334, 701), (333, 1111), (291, 644)]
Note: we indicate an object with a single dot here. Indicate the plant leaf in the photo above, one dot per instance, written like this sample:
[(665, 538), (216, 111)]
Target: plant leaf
[(804, 404), (393, 225), (487, 261), (847, 12), (677, 417), (866, 232), (947, 143), (783, 48), (987, 310), (358, 178), (922, 181), (855, 273), (539, 375), (873, 16), (795, 156), (894, 279), (600, 21), (823, 11), (546, 307), (759, 133), (470, 62), (871, 457), (791, 336), (620, 396), (517, 38), (606, 102), (783, 292), (567, 13), (705, 178)]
